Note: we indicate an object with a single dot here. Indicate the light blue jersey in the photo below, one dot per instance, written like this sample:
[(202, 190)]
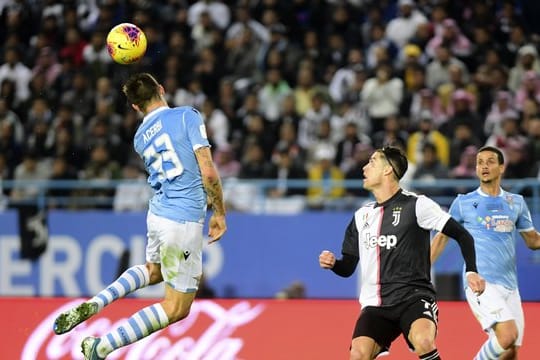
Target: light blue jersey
[(493, 222), (166, 141)]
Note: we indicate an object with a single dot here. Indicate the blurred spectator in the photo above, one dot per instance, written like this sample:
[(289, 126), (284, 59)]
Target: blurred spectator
[(7, 116), (461, 138), (226, 164), (517, 162), (80, 96), (218, 11), (529, 89), (29, 169), (346, 147), (379, 44), (216, 123), (451, 36), (382, 96), (309, 124), (425, 103), (296, 290), (510, 135), (429, 169), (350, 112), (512, 45), (283, 169), (257, 132), (502, 107), (100, 167), (191, 95), (203, 32), (345, 77), (96, 57), (466, 169), (438, 70), (304, 90), (533, 139), (403, 27), (66, 147), (463, 113), (61, 170), (9, 148), (526, 60), (325, 179), (362, 153), (253, 164), (456, 81), (391, 134), (427, 134), (74, 45), (13, 69), (47, 64), (271, 97), (288, 140), (135, 194), (241, 60)]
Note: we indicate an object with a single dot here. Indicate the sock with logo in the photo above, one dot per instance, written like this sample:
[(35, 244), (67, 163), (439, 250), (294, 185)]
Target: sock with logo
[(138, 326), (432, 355), (490, 350), (136, 277)]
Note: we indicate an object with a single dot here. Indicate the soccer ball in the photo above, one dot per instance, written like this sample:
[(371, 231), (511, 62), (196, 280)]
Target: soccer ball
[(126, 43)]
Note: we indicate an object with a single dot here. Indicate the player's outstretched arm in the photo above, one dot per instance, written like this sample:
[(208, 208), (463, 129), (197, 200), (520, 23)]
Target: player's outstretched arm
[(212, 185), (343, 267), (438, 243), (532, 239), (465, 241)]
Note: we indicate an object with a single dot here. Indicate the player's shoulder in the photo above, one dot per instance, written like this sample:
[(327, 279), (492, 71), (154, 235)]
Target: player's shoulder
[(513, 197), (468, 196), (189, 110)]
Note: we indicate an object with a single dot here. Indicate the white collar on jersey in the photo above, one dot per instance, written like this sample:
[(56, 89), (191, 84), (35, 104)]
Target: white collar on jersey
[(153, 112), (501, 192)]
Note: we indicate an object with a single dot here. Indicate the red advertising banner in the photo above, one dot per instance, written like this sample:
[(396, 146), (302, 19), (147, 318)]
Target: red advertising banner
[(234, 329)]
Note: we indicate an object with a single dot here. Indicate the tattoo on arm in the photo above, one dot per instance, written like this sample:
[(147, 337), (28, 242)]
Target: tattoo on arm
[(212, 184)]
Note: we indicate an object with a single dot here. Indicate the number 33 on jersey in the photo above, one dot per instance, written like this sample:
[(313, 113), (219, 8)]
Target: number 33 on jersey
[(166, 141)]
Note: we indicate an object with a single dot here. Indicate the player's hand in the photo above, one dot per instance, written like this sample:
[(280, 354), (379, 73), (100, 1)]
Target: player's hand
[(327, 259), (216, 227), (476, 283)]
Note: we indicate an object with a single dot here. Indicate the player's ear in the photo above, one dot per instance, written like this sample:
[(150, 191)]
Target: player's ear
[(135, 107), (161, 90)]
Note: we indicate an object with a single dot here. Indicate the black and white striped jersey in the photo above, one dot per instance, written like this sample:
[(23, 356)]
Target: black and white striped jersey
[(392, 241)]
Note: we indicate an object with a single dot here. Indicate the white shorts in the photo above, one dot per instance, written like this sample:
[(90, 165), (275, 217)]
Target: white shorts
[(177, 246), (497, 304)]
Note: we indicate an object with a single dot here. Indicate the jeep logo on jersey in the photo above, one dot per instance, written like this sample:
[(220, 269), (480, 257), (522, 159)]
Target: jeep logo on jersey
[(385, 241), (396, 214)]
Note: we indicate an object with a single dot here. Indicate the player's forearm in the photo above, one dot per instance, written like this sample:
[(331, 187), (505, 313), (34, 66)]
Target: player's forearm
[(465, 241), (214, 191), (345, 266), (437, 246)]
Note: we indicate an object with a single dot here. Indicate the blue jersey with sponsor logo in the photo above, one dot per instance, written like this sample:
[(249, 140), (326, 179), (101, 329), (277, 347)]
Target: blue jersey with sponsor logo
[(493, 222), (166, 141)]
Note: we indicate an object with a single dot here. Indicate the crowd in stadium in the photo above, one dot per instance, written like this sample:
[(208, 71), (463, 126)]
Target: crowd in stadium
[(288, 89)]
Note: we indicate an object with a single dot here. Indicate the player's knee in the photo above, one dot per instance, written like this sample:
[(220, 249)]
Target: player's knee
[(176, 312), (422, 342), (154, 271), (359, 354), (508, 338)]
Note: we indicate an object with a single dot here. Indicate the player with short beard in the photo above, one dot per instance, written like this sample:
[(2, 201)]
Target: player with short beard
[(492, 215)]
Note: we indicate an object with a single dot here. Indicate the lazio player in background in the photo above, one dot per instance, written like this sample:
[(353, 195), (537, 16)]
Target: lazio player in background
[(493, 216)]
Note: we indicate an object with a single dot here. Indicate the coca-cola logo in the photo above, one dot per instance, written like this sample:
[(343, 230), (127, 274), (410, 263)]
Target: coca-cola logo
[(216, 341)]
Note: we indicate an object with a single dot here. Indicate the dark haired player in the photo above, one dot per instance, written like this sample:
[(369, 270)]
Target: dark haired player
[(390, 237)]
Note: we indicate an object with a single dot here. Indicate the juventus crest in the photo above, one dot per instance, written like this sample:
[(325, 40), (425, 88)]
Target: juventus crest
[(396, 215)]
